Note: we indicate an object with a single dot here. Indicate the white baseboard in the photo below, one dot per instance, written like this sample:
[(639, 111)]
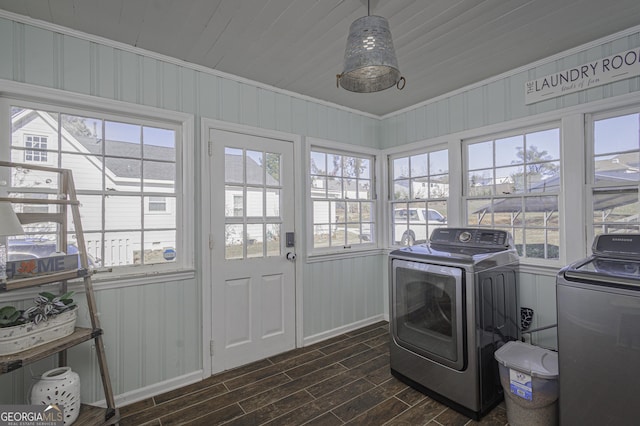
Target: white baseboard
[(341, 330), (154, 389)]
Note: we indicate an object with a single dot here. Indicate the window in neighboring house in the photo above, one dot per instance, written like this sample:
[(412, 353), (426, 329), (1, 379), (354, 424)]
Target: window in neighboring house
[(157, 204), (342, 200), (35, 149), (125, 172), (238, 206), (616, 173), (419, 194), (513, 183)]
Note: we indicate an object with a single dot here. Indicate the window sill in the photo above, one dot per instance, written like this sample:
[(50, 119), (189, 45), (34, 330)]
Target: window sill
[(112, 280), (345, 254)]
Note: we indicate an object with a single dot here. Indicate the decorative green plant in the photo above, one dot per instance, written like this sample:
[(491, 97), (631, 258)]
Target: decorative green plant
[(46, 305), (49, 305), (10, 316)]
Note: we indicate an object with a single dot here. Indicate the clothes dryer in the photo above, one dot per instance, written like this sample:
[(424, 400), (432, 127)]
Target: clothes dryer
[(453, 303)]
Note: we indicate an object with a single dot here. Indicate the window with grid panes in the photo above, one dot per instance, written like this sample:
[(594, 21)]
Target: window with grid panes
[(125, 172), (342, 199), (513, 183), (35, 149), (419, 195), (615, 173)]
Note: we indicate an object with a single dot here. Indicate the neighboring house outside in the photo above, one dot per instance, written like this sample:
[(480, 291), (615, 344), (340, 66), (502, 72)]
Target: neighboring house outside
[(336, 213), (325, 216), (235, 203), (619, 167)]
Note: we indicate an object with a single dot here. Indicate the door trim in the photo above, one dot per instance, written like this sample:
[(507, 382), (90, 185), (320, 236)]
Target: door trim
[(206, 274)]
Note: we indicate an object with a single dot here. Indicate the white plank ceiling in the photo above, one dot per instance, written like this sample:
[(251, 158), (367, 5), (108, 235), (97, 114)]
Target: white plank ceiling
[(298, 45)]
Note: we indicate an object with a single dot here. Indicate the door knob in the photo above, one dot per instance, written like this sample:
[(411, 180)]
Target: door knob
[(291, 256)]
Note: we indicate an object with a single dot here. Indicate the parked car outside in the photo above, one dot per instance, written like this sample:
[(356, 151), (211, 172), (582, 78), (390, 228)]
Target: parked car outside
[(414, 225), (35, 249)]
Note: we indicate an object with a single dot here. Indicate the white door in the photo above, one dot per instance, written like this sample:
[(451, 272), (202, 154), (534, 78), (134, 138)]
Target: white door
[(253, 282)]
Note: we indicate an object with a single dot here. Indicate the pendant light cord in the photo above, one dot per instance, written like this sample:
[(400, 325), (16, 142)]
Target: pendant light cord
[(368, 7)]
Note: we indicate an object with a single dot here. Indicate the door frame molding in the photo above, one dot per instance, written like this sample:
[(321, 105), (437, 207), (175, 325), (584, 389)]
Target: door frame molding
[(206, 274)]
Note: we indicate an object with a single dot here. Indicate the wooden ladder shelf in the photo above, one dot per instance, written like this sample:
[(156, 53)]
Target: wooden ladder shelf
[(66, 201)]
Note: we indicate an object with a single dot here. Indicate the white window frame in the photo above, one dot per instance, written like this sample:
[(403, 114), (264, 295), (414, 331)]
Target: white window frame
[(525, 129), (27, 96), (592, 186), (327, 253), (574, 162), (390, 184)]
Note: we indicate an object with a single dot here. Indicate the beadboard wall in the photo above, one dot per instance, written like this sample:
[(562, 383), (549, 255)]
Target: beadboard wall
[(502, 99), (151, 336), (153, 331), (150, 349), (343, 288)]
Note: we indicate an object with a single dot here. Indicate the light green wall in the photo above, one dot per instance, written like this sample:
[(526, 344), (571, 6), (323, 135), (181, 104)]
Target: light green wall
[(141, 345), (148, 342), (502, 99)]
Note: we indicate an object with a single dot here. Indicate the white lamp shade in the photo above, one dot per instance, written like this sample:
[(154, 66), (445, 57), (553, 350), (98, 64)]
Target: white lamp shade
[(9, 223)]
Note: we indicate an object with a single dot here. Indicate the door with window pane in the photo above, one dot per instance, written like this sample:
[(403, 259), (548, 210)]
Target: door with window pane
[(253, 283)]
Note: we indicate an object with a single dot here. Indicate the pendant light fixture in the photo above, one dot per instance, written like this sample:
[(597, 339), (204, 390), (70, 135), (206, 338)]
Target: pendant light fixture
[(370, 63)]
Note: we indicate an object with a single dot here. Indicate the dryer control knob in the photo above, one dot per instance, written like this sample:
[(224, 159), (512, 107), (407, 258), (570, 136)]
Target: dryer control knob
[(465, 237)]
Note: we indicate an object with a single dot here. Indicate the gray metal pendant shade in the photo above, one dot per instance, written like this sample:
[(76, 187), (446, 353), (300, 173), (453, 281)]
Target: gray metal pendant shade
[(370, 63)]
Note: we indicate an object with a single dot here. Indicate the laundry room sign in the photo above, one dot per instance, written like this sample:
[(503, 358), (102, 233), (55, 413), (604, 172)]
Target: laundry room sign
[(602, 71)]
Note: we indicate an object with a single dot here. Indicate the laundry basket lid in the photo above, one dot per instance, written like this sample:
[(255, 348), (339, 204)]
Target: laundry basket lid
[(529, 359)]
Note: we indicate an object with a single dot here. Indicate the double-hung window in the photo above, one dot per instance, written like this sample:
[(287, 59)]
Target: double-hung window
[(342, 200), (128, 178), (615, 172), (513, 183), (419, 195)]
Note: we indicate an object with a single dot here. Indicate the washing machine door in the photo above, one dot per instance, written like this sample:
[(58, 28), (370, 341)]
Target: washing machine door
[(428, 311)]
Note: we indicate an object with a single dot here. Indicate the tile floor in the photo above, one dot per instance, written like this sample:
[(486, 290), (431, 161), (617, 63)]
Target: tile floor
[(343, 380)]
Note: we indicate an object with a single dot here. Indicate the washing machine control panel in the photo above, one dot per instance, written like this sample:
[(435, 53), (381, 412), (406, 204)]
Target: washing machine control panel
[(626, 246), (472, 237)]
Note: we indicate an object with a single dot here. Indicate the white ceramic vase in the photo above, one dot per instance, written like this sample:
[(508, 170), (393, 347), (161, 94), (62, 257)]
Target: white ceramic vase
[(59, 386)]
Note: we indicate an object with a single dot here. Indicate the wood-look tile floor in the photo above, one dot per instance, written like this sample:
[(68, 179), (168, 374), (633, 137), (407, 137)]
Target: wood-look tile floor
[(343, 380)]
